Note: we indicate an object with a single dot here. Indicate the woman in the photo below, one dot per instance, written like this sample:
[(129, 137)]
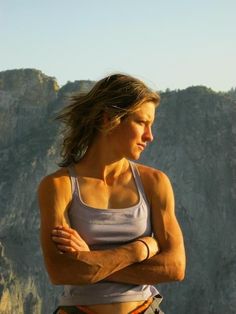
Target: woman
[(108, 227)]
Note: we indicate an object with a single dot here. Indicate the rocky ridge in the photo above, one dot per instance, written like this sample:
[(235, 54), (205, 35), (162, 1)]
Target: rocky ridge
[(195, 145)]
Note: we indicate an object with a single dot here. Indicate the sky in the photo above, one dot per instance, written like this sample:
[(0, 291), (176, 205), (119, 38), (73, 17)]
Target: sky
[(168, 44)]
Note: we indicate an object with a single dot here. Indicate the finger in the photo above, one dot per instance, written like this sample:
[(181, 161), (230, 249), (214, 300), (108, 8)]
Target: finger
[(67, 238), (69, 233), (70, 243), (65, 228), (65, 248), (65, 231), (60, 233), (65, 242), (68, 230)]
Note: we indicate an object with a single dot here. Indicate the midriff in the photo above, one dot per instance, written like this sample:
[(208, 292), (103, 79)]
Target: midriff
[(117, 308)]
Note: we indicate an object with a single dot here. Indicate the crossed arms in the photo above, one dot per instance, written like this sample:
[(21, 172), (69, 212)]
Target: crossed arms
[(79, 265)]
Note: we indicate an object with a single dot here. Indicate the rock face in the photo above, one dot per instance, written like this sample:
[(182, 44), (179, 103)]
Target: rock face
[(195, 145), (26, 99)]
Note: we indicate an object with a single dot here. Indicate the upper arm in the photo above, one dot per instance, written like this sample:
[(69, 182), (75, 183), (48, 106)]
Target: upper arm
[(169, 263), (54, 196), (166, 228)]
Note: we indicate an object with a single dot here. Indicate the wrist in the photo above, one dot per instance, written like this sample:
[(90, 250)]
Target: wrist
[(142, 250), (147, 248)]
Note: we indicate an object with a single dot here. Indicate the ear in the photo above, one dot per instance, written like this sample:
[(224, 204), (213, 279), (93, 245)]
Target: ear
[(107, 123), (106, 119)]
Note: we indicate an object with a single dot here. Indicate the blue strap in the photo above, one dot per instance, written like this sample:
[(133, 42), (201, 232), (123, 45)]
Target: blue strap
[(138, 181), (73, 178)]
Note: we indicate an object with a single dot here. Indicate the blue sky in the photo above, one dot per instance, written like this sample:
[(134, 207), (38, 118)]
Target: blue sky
[(169, 44)]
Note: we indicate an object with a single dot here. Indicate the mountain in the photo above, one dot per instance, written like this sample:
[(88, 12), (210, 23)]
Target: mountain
[(195, 145)]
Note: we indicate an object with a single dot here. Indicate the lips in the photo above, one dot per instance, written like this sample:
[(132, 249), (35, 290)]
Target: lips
[(142, 146)]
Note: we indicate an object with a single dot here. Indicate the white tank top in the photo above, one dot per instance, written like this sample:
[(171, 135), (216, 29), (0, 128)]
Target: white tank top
[(104, 229)]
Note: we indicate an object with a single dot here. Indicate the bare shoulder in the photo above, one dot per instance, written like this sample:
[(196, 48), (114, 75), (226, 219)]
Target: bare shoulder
[(56, 184), (156, 183), (54, 198), (152, 176), (56, 179)]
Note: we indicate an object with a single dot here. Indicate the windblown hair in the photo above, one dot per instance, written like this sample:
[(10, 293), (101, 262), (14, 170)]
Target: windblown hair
[(117, 95)]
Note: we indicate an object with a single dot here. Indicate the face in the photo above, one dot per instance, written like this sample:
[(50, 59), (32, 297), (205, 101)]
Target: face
[(133, 133)]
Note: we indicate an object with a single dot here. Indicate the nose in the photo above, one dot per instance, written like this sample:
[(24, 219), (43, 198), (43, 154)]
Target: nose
[(148, 136)]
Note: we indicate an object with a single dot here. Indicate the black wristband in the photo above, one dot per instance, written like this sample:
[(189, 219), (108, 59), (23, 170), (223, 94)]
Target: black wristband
[(148, 251)]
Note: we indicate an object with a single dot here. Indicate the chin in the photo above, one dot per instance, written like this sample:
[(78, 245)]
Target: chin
[(134, 156)]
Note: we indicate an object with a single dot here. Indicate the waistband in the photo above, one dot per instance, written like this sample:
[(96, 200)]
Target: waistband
[(150, 306)]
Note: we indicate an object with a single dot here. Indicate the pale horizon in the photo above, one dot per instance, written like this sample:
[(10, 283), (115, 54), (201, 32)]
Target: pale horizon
[(166, 44)]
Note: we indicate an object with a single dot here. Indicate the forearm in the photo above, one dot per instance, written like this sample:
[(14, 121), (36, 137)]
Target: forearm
[(163, 267), (93, 266)]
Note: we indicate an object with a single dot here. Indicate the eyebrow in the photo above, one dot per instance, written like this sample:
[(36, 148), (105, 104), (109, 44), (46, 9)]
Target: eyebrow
[(145, 116)]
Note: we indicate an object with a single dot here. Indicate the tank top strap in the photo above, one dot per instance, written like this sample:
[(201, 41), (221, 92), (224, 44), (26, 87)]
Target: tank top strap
[(73, 178), (138, 181)]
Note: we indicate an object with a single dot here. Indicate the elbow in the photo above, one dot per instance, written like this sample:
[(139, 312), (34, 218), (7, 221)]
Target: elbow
[(63, 276), (178, 273), (55, 281), (55, 274), (61, 279), (55, 277)]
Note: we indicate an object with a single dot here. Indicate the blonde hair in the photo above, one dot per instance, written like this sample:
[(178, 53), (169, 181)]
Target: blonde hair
[(116, 95)]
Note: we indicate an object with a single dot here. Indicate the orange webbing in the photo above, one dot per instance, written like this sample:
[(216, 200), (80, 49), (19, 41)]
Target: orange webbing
[(61, 312), (85, 309), (138, 310), (142, 307)]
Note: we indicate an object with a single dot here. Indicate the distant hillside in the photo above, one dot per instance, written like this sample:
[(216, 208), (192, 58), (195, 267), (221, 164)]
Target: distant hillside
[(232, 93), (195, 144)]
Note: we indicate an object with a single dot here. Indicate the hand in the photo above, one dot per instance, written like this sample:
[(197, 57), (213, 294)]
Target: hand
[(67, 240)]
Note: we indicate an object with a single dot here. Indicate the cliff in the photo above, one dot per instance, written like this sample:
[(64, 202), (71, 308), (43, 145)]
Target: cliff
[(195, 144)]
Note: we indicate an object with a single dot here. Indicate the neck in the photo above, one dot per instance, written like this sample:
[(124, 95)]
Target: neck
[(99, 162)]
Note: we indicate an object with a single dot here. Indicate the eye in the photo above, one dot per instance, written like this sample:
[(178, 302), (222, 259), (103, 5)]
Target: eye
[(141, 122)]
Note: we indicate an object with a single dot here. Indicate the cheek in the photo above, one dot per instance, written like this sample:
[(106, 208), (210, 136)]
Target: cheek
[(135, 131), (126, 133), (130, 135)]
